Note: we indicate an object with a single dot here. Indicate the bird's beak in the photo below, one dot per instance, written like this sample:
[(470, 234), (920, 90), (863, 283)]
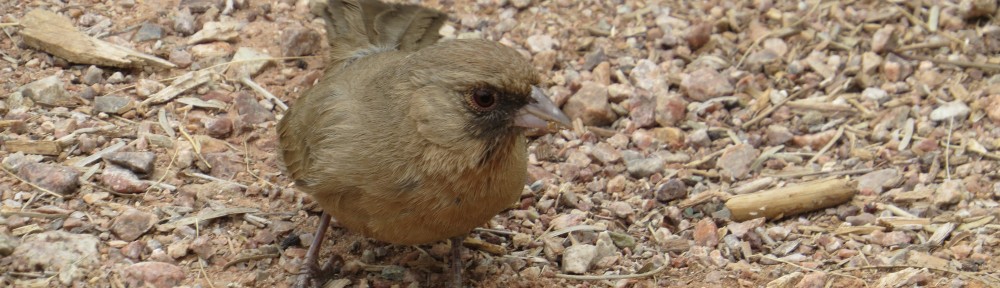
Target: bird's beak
[(540, 112)]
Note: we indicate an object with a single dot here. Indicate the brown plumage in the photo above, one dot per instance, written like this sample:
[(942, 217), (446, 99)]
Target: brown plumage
[(408, 140)]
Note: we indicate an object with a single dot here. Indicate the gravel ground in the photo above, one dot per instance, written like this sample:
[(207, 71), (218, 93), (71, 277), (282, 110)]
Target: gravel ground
[(161, 169)]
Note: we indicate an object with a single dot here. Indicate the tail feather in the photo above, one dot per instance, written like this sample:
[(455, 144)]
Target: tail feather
[(356, 28)]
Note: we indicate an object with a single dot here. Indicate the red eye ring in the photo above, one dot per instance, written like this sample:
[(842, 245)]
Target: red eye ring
[(483, 99)]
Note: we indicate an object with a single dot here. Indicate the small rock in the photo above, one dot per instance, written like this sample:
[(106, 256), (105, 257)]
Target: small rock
[(299, 41), (949, 193), (393, 273), (860, 219), (621, 209), (970, 9), (181, 58), (541, 42), (876, 181), (705, 233), (605, 245), (113, 104), (251, 112), (590, 104), (116, 78), (785, 281), (73, 254), (147, 32), (952, 110), (644, 167), (211, 50), (671, 190), (520, 4), (122, 181), (622, 240), (252, 68), (203, 247), (619, 92), (138, 162), (178, 249), (741, 228), (50, 91), (698, 35), (671, 109), (7, 244), (778, 135), (617, 184), (184, 22), (606, 154), (132, 223), (56, 178), (133, 250), (647, 75), (146, 87), (812, 280), (875, 94), (884, 39), (705, 83), (215, 31), (219, 127), (893, 238), (155, 274), (578, 258), (594, 58), (92, 75), (735, 161)]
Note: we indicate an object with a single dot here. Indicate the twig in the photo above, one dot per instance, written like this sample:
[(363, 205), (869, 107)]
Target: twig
[(947, 149), (495, 231), (210, 178), (959, 63), (33, 214), (614, 277), (774, 107), (824, 173), (707, 158), (574, 229), (47, 191), (807, 268), (256, 87), (959, 273)]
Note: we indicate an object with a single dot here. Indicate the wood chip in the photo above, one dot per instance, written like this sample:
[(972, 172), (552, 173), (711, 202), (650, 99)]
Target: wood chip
[(791, 200), (202, 216), (40, 147), (55, 34)]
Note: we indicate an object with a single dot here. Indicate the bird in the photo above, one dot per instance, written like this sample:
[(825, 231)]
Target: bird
[(407, 138)]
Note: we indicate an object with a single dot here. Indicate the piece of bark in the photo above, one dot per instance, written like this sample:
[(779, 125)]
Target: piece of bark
[(50, 32), (791, 200), (42, 147), (180, 85)]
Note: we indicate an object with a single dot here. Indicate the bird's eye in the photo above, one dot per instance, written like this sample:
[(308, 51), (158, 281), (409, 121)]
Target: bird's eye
[(483, 99)]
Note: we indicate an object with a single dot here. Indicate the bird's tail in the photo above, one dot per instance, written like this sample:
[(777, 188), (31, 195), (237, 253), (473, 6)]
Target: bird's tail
[(356, 28)]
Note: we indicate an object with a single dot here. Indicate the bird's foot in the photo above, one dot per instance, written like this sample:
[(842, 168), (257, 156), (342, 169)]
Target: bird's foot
[(312, 276)]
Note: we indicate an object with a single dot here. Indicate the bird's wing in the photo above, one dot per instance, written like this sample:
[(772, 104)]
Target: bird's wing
[(356, 28)]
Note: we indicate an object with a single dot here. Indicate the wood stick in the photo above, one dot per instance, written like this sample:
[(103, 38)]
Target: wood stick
[(791, 200), (41, 147)]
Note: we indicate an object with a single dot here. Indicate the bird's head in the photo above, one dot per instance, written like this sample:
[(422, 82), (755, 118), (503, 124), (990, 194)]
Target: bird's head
[(477, 91)]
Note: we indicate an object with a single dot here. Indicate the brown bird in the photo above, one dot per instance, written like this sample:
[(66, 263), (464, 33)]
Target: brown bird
[(406, 139)]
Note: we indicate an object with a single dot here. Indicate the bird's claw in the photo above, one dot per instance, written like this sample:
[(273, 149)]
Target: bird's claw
[(313, 276)]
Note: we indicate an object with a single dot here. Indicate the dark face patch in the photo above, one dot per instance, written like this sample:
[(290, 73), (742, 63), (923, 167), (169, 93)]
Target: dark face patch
[(493, 111)]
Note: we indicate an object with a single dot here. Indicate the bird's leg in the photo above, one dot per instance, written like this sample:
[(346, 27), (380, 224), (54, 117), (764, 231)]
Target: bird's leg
[(310, 266), (456, 261)]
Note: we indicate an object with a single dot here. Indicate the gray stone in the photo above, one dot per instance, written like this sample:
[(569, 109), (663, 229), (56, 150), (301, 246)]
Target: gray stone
[(138, 162), (131, 224), (92, 75), (113, 104), (578, 258), (70, 254), (148, 32), (56, 178)]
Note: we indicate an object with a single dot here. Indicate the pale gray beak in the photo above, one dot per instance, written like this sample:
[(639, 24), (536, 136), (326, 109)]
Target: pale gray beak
[(540, 112)]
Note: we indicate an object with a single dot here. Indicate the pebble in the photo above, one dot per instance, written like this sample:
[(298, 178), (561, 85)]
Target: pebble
[(92, 75), (520, 4), (952, 110), (215, 31), (815, 279), (642, 167), (735, 161), (49, 91), (605, 153), (138, 162), (705, 83), (184, 22), (884, 39), (299, 41), (250, 111), (621, 209), (950, 192), (860, 219), (132, 223), (71, 254), (219, 127), (671, 109), (739, 229), (145, 87), (622, 240), (698, 35), (122, 180), (540, 43), (647, 75), (180, 57), (155, 274), (578, 258), (116, 78), (178, 249), (211, 50), (251, 68), (778, 135), (893, 238), (875, 94), (148, 32), (113, 104), (970, 9), (705, 233), (54, 177), (590, 104), (605, 245), (671, 190), (7, 244), (873, 183)]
